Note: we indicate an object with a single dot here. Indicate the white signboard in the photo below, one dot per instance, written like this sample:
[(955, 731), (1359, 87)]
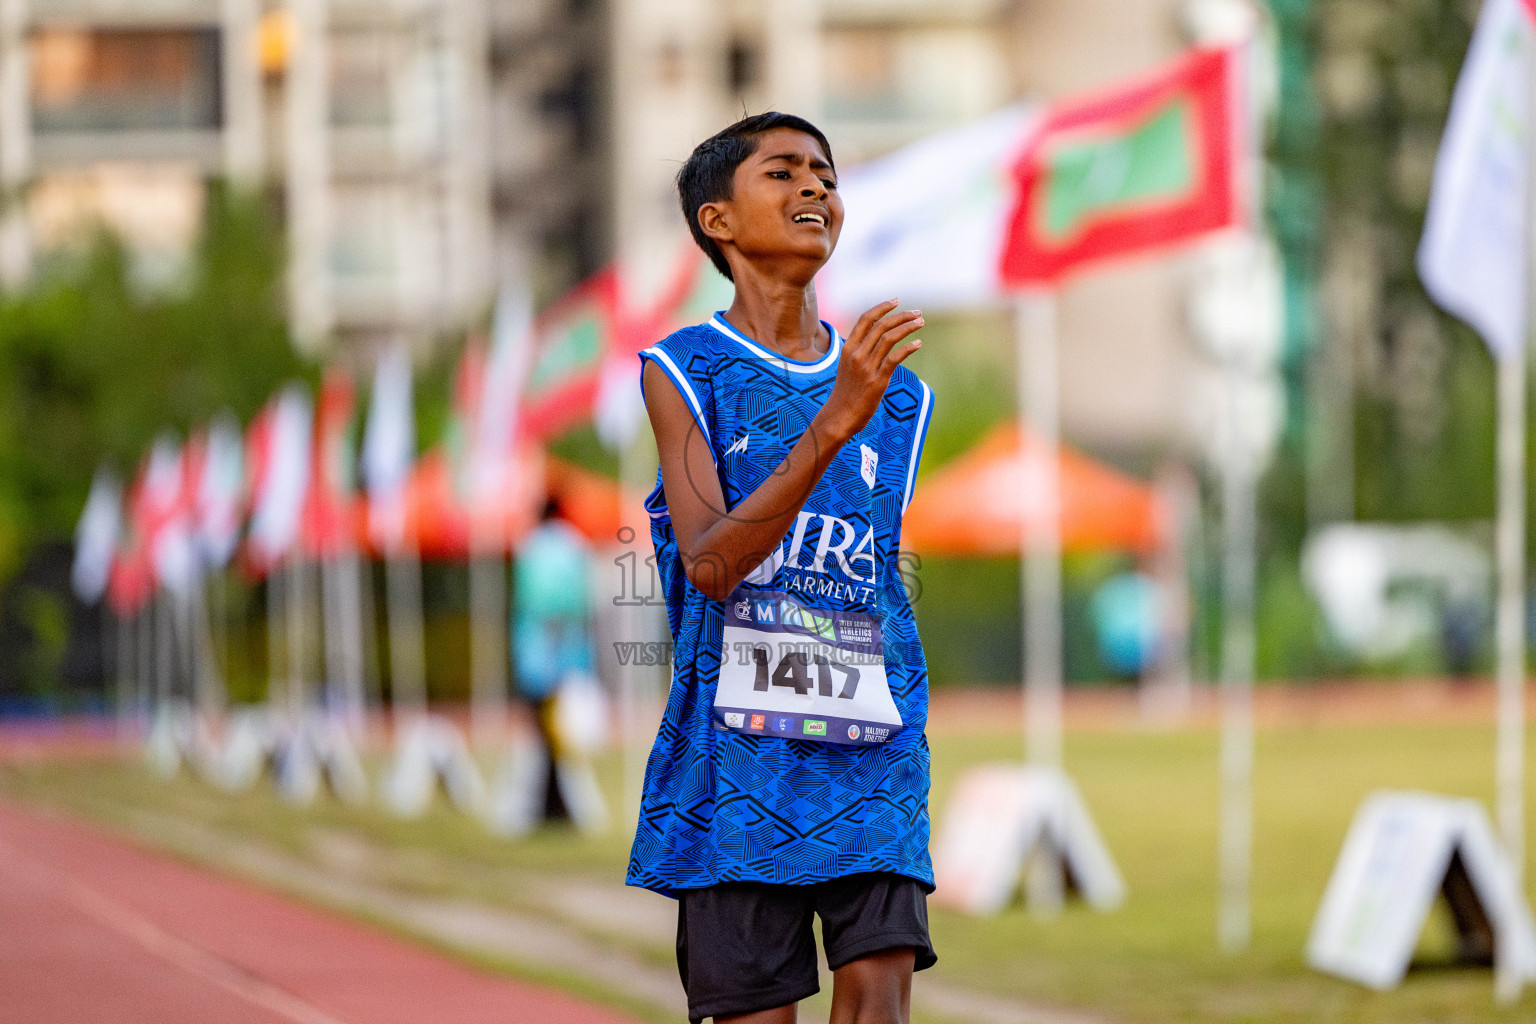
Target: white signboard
[(1393, 865), (516, 804), (999, 817), (318, 750), (250, 745), (428, 751)]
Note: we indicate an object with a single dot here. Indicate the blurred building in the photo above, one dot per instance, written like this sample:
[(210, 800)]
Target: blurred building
[(372, 121)]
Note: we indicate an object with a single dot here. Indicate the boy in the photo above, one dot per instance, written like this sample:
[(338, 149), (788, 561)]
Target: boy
[(790, 773)]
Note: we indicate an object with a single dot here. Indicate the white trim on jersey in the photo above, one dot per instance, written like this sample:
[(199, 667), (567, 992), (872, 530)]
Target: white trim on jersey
[(918, 435), (681, 380), (720, 324)]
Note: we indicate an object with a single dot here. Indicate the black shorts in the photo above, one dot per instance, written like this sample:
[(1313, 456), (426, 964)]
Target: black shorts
[(748, 946)]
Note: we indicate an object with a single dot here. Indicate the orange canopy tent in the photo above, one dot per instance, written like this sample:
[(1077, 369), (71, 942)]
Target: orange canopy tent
[(593, 503), (976, 504)]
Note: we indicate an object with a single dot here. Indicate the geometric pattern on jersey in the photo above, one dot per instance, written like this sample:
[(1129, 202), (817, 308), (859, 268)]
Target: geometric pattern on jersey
[(719, 805)]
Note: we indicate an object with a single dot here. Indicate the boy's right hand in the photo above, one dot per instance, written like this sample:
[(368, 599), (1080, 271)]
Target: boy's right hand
[(871, 353)]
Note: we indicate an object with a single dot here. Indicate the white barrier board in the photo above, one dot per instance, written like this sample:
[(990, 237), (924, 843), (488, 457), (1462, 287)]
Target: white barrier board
[(1393, 865), (430, 750), (1002, 814)]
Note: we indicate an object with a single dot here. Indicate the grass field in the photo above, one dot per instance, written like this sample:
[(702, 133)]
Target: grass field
[(1153, 795)]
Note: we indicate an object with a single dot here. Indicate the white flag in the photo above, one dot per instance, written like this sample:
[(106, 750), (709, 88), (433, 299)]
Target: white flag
[(167, 513), (96, 536), (389, 447), (283, 480), (1472, 256), (926, 224), (505, 374), (219, 491)]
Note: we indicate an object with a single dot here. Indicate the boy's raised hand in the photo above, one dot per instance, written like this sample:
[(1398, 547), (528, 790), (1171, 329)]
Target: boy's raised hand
[(871, 354)]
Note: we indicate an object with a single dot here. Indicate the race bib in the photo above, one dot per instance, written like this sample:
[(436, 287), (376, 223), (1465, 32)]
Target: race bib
[(805, 673)]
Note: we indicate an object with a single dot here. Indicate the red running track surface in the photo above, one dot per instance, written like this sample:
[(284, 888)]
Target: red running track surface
[(93, 928)]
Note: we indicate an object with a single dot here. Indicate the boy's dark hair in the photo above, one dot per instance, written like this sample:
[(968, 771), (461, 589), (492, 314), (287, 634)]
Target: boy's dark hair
[(706, 176)]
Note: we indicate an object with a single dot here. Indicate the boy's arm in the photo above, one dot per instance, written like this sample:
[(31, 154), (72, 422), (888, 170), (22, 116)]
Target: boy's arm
[(720, 546)]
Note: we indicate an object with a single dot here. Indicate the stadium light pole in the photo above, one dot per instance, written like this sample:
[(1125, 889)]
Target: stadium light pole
[(1040, 571)]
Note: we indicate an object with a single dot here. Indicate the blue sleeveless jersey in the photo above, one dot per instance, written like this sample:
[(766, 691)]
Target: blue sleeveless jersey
[(735, 796)]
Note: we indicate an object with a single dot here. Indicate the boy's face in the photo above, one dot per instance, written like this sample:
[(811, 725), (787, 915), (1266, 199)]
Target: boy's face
[(784, 202)]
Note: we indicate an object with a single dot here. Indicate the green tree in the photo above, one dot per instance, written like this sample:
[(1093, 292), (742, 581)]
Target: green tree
[(92, 367), (1424, 424)]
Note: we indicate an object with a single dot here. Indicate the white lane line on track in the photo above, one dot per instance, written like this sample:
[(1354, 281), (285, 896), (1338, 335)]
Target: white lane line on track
[(188, 956)]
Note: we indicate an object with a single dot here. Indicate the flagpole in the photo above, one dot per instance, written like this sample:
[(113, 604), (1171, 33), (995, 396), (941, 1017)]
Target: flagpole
[(330, 619), (1239, 531), (274, 595), (1040, 575), (205, 681), (186, 653), (144, 644), (371, 672), (165, 653), (293, 605), (488, 623), (407, 670), (1509, 544), (347, 606), (216, 619), (1240, 459), (122, 637)]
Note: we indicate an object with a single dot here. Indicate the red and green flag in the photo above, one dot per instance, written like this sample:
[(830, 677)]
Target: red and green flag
[(1142, 168), (331, 511), (571, 340), (459, 431)]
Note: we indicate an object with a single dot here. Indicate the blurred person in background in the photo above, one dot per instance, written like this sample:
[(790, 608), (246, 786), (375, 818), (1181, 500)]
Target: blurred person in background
[(552, 645)]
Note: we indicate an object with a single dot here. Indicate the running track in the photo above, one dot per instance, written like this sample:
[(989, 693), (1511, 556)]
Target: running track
[(93, 928)]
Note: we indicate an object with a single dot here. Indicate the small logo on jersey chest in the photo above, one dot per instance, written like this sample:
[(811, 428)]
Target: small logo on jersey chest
[(868, 458), (739, 446)]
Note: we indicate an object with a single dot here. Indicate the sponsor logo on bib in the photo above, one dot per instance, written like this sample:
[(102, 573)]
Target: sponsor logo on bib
[(758, 722), (735, 719), (815, 728), (853, 732)]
